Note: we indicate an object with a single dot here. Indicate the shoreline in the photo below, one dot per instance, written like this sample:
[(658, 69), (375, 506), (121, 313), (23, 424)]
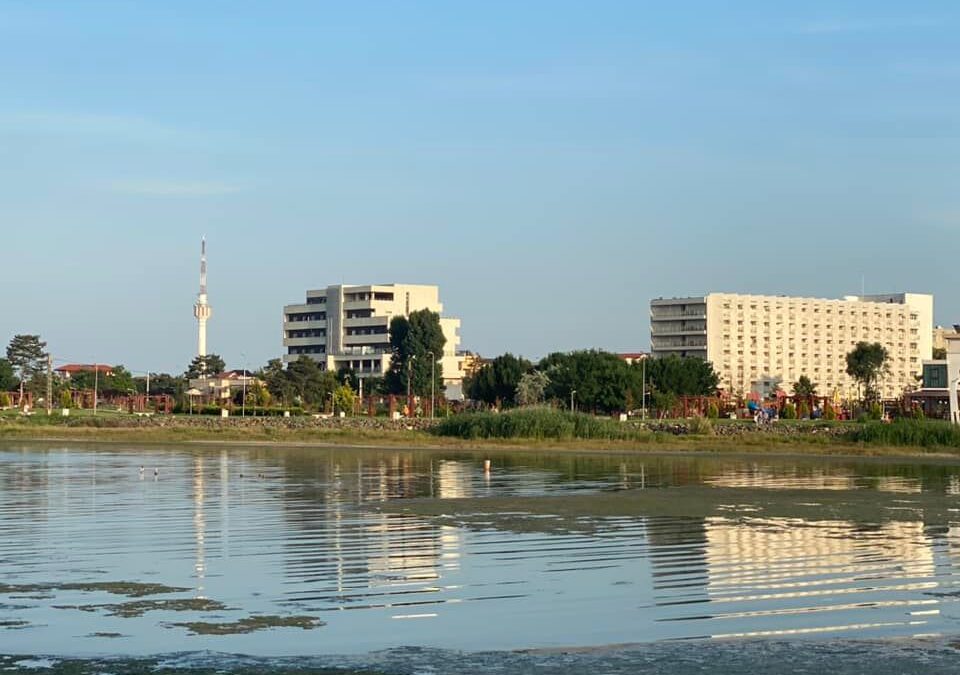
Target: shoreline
[(754, 444)]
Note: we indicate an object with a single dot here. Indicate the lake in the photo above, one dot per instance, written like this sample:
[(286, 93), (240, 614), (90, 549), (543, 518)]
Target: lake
[(216, 548)]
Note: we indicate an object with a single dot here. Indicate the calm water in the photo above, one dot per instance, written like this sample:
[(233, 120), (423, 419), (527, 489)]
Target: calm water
[(306, 532)]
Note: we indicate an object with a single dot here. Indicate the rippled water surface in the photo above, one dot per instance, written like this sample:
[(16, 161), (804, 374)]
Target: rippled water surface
[(761, 547)]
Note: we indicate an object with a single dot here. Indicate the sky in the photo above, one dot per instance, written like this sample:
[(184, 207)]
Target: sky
[(552, 165)]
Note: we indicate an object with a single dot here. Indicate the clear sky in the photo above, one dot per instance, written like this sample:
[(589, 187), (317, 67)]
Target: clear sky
[(550, 165)]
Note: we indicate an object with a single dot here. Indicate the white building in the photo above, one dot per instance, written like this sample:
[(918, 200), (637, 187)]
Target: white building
[(348, 327), (761, 342)]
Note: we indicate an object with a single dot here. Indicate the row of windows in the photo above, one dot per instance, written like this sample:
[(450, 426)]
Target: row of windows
[(377, 295), (315, 332), (308, 349), (307, 316), (319, 300), (367, 330)]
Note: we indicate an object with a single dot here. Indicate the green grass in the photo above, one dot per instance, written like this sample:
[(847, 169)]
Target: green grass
[(917, 433)]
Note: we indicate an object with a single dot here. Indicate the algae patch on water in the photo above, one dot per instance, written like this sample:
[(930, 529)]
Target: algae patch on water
[(131, 589), (137, 608), (250, 624)]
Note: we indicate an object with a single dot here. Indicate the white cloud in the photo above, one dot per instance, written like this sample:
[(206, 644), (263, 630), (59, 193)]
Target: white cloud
[(171, 188)]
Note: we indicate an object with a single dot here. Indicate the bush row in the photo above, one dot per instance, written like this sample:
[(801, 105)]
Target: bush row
[(928, 433), (536, 423)]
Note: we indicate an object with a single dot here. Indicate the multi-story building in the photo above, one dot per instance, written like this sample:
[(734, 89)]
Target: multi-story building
[(348, 327), (758, 343)]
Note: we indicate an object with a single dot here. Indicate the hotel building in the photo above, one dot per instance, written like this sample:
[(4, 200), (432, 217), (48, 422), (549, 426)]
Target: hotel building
[(757, 343), (348, 327)]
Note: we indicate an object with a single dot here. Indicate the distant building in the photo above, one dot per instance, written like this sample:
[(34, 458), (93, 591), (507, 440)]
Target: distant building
[(633, 357), (758, 343), (71, 369), (348, 327), (222, 387)]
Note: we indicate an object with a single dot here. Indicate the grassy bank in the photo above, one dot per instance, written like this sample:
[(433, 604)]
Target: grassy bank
[(521, 430)]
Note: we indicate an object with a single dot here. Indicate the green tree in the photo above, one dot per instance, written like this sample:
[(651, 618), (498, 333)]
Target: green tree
[(532, 388), (211, 364), (119, 381), (278, 384), (688, 376), (25, 353), (8, 379), (412, 341), (343, 399), (161, 383), (497, 381), (603, 382), (308, 383), (865, 363), (349, 377), (804, 388)]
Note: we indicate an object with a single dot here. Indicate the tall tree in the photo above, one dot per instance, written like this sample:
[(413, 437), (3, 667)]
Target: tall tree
[(119, 381), (8, 379), (211, 364), (496, 382), (309, 383), (688, 376), (600, 381), (532, 388), (25, 353), (865, 363), (415, 342)]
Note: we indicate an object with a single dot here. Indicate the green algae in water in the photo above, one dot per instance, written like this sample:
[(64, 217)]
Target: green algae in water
[(140, 607), (250, 624), (131, 589)]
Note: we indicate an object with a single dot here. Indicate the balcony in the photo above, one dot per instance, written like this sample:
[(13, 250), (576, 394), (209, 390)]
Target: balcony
[(304, 341)]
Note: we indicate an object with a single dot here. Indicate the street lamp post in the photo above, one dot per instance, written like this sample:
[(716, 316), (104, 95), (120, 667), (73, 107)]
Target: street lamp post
[(572, 392), (243, 395), (643, 389), (433, 379)]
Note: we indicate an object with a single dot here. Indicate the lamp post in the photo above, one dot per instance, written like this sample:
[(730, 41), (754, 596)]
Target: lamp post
[(243, 396), (433, 379), (643, 388), (572, 392)]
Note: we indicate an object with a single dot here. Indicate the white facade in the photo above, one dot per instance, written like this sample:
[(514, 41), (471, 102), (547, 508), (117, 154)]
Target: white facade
[(348, 326), (761, 342)]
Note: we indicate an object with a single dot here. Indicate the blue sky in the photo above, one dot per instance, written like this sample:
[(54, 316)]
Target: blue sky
[(551, 165)]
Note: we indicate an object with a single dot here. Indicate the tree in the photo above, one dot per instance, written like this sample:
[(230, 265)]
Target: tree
[(496, 382), (161, 383), (603, 381), (865, 363), (8, 379), (309, 383), (349, 377), (25, 353), (343, 398), (532, 388), (278, 384), (412, 341), (804, 388), (118, 381), (689, 376), (211, 364)]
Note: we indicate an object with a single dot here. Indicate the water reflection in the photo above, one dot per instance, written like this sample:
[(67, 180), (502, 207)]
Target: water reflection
[(299, 532)]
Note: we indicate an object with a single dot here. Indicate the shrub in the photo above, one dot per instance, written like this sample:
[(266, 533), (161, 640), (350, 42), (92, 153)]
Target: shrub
[(876, 411), (803, 410), (700, 426), (535, 423), (829, 413), (917, 413), (927, 433), (66, 400), (4, 399), (713, 412), (789, 412)]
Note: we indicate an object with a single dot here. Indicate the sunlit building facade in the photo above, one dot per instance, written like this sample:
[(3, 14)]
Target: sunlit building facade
[(758, 343)]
